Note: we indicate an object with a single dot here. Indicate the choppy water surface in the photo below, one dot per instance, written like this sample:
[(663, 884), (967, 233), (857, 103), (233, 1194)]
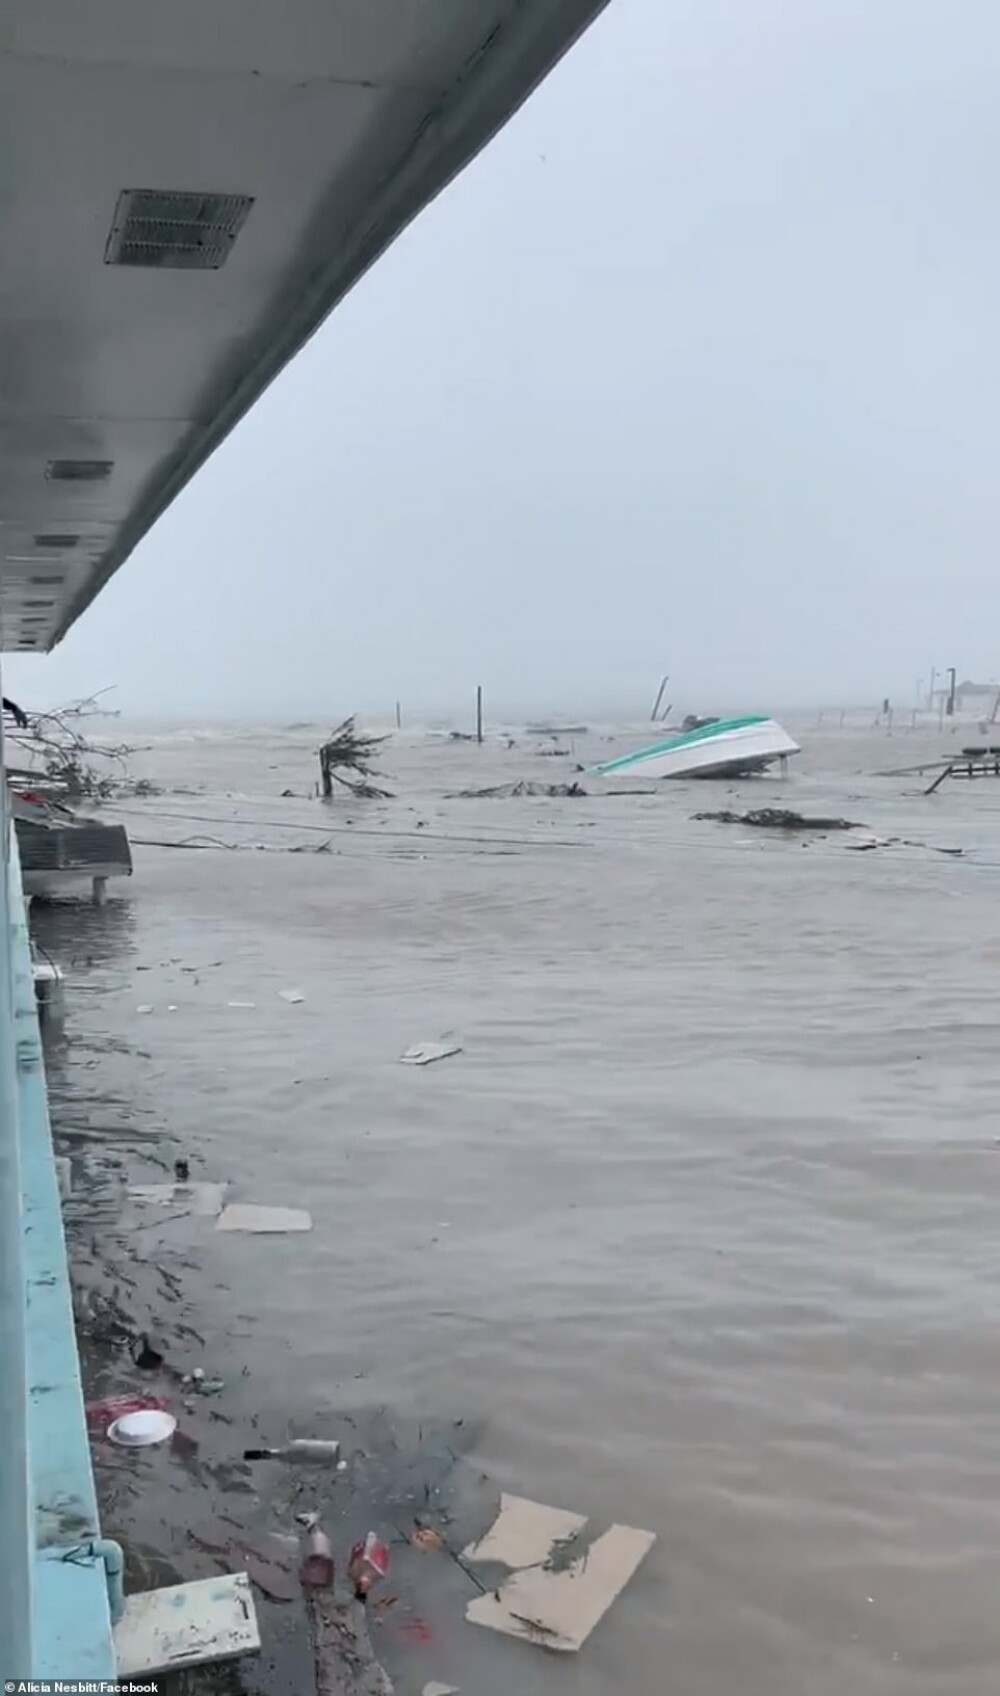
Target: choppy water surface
[(698, 1232)]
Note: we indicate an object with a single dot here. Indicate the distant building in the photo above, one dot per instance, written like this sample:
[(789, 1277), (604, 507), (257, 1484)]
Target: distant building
[(968, 695)]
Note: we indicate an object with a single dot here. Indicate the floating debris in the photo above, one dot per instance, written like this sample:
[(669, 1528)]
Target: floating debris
[(367, 1564), (778, 818), (315, 1451), (208, 1386), (103, 1414), (524, 1533), (186, 1625), (202, 1199), (317, 1569), (427, 1538), (510, 791), (294, 997), (246, 1216), (424, 1053), (871, 842), (554, 1602), (143, 1429), (147, 1355)]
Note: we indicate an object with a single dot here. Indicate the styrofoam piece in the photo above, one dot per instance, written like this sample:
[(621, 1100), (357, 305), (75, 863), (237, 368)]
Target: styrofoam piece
[(422, 1053), (187, 1625), (435, 1689), (558, 1608), (294, 997), (524, 1533), (246, 1216), (206, 1200)]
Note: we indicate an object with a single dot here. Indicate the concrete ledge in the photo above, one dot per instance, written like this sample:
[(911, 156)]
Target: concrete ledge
[(71, 1622)]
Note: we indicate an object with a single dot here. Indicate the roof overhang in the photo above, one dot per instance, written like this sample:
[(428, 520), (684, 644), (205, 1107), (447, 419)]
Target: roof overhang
[(186, 191)]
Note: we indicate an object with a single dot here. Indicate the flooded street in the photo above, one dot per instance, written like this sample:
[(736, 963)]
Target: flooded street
[(697, 1233)]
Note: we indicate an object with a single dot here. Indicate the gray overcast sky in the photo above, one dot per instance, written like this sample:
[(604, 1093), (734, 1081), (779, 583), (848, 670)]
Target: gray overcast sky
[(695, 369)]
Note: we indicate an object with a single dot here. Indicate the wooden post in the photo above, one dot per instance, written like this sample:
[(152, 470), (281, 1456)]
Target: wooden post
[(951, 691), (399, 717), (324, 771), (654, 715), (479, 714)]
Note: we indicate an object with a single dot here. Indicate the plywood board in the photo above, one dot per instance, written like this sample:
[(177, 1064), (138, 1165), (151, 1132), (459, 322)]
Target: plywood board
[(245, 1216), (186, 1625), (524, 1533), (558, 1609)]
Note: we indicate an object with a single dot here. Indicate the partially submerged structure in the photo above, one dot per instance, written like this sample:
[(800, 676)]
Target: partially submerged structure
[(188, 192), (729, 747)]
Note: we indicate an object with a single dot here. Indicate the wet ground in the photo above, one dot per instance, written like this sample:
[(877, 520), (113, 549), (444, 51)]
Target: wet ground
[(696, 1233)]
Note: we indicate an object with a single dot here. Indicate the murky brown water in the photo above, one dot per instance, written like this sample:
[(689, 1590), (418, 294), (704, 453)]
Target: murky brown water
[(698, 1232)]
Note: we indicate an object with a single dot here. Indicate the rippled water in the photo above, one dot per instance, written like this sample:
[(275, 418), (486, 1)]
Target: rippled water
[(698, 1232)]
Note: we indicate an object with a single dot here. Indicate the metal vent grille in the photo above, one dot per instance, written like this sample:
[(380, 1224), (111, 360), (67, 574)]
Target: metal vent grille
[(52, 542), (48, 848), (78, 470), (46, 582), (181, 232)]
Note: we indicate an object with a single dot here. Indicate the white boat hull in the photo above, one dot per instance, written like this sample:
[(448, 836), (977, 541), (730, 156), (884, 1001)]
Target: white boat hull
[(726, 749)]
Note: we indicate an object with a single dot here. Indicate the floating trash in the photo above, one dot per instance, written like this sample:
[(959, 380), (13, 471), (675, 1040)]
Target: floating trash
[(317, 1570), (368, 1562), (555, 1598), (103, 1414), (423, 1053), (203, 1199), (246, 1216), (314, 1451), (142, 1430)]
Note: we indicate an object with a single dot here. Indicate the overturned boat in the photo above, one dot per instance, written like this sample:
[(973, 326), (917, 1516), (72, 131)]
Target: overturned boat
[(728, 747), (63, 854)]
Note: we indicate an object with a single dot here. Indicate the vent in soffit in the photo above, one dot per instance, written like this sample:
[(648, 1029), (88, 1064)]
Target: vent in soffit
[(52, 541), (180, 232), (78, 470)]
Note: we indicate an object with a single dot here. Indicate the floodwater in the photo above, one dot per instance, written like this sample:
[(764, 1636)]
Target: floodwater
[(697, 1233)]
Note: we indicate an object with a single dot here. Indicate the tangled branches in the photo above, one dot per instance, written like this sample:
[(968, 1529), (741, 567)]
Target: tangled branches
[(60, 753), (350, 750)]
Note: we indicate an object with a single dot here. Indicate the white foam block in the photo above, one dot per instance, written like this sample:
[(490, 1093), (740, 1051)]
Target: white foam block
[(186, 1625)]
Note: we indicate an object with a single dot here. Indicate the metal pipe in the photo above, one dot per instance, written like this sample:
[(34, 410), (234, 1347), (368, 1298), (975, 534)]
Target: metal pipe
[(110, 1552), (99, 1549)]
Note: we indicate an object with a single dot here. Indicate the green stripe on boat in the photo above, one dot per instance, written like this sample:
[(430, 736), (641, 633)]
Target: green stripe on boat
[(706, 734)]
